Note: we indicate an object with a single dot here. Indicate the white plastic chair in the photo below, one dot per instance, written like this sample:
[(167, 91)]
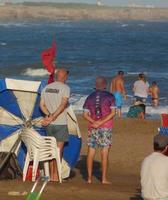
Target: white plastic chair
[(40, 148)]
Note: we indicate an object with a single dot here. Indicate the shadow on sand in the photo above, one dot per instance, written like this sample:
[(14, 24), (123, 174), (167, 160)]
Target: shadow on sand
[(137, 196), (81, 166)]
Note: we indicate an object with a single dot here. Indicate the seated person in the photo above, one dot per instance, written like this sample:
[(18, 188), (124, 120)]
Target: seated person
[(137, 110), (154, 173)]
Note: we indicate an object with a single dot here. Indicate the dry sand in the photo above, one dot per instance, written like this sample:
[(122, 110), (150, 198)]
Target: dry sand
[(132, 141), (77, 12)]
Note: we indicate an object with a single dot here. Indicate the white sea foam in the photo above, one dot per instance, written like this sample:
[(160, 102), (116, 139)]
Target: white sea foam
[(62, 23), (3, 44), (151, 74), (16, 24), (135, 73), (35, 72), (150, 111), (124, 25), (78, 100), (142, 25)]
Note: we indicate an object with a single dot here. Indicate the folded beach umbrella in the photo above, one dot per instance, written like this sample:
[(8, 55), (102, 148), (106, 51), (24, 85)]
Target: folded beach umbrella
[(19, 108)]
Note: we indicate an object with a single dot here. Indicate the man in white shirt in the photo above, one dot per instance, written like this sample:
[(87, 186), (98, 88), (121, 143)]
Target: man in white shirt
[(141, 88), (154, 171), (54, 100)]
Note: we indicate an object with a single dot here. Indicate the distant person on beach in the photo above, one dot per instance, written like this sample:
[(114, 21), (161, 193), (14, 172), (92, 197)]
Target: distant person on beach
[(154, 92), (117, 88), (99, 111), (54, 100), (141, 88), (154, 173), (137, 110)]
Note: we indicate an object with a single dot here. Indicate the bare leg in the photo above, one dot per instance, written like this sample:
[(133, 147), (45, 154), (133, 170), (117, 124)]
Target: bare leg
[(60, 146), (155, 102), (53, 165), (119, 112), (104, 159), (90, 157), (53, 170)]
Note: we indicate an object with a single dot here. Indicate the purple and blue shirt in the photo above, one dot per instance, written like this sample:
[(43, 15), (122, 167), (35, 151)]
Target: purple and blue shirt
[(99, 104)]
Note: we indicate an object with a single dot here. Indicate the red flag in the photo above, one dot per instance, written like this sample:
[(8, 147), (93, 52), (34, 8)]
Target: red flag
[(48, 56), (51, 78)]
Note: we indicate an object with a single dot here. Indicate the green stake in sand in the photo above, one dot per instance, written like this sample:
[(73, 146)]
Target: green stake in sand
[(36, 195)]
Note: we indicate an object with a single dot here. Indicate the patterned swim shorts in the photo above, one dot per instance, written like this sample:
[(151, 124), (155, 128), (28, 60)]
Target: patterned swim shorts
[(100, 137)]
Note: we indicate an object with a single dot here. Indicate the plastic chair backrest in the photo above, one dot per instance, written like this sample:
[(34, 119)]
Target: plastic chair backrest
[(34, 142)]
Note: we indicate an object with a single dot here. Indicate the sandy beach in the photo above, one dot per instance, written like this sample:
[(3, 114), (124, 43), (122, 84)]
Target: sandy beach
[(132, 141), (49, 11)]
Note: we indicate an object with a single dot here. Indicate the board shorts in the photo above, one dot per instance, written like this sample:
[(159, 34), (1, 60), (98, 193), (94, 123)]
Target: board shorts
[(119, 99), (137, 98), (60, 132), (99, 138)]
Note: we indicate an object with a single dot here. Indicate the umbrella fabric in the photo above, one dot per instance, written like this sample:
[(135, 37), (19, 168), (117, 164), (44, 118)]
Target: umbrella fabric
[(19, 108)]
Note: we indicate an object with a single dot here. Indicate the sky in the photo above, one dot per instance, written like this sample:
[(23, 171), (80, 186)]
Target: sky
[(157, 3)]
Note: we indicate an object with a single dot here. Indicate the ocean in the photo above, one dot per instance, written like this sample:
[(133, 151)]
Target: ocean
[(89, 49)]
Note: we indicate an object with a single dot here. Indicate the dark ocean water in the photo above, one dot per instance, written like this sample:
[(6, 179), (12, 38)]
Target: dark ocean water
[(87, 49)]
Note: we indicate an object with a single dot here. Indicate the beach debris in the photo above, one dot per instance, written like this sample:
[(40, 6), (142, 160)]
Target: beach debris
[(17, 193)]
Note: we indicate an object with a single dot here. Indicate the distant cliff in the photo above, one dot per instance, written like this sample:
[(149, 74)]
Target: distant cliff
[(54, 12)]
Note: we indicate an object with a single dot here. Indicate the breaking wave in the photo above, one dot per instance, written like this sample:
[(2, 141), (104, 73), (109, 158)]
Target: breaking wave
[(35, 72)]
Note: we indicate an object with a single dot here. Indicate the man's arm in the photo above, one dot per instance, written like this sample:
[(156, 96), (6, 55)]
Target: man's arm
[(123, 88), (54, 115), (60, 108), (112, 86), (87, 116), (43, 107), (108, 117)]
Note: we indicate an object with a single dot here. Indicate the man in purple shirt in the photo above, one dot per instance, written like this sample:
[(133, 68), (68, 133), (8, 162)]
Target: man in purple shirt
[(99, 111)]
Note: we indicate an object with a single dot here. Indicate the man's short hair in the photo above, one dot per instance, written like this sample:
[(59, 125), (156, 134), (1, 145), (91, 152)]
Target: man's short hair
[(160, 141), (101, 82), (120, 72), (60, 69)]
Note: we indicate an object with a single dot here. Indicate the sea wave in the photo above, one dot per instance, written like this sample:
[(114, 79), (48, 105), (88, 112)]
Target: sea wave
[(124, 25), (136, 73), (150, 74), (16, 24), (77, 101), (3, 43), (35, 72), (142, 25)]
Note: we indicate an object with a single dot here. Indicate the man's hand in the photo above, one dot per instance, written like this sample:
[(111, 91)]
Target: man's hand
[(97, 124), (47, 120)]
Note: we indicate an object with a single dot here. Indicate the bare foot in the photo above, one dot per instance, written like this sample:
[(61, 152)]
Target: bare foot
[(89, 181), (106, 182), (54, 180)]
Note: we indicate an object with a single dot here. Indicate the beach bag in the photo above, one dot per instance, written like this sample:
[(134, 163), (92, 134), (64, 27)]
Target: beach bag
[(11, 168)]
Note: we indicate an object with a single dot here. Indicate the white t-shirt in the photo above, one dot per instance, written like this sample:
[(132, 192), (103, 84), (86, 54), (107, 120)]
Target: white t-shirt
[(141, 89), (154, 177), (52, 95)]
